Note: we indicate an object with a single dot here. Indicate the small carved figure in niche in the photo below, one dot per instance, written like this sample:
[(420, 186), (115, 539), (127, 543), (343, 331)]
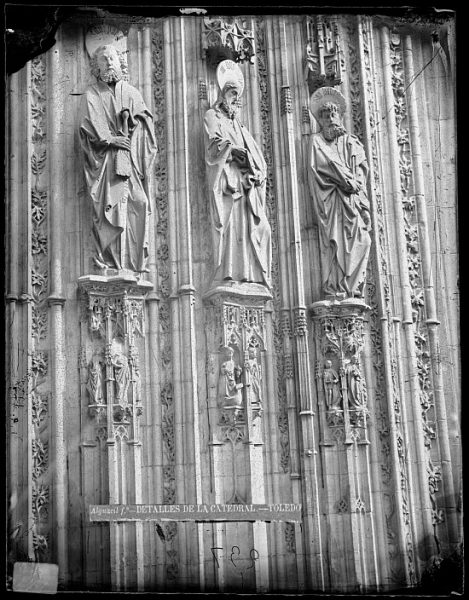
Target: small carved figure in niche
[(118, 143), (236, 172), (337, 179), (254, 375), (135, 373), (331, 386), (354, 384), (121, 372), (230, 385), (94, 385)]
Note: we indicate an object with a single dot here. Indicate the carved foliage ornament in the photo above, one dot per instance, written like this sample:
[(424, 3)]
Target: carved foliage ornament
[(39, 309), (227, 38)]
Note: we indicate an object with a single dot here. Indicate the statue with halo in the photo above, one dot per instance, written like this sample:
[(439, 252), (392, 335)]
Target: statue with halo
[(337, 180)]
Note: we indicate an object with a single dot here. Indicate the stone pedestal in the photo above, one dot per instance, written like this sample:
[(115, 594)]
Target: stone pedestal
[(110, 363), (236, 361), (343, 413)]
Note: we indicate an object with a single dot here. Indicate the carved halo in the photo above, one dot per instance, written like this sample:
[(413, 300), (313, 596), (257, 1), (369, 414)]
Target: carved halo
[(327, 94), (229, 72), (104, 35)]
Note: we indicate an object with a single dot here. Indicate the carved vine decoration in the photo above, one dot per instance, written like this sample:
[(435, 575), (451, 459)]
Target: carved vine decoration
[(39, 311), (162, 252), (281, 340), (353, 72)]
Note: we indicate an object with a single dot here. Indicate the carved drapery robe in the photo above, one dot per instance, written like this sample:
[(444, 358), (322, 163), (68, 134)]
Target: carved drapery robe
[(118, 203), (344, 237), (94, 383), (354, 387), (230, 388), (331, 389), (241, 231), (254, 377), (121, 376)]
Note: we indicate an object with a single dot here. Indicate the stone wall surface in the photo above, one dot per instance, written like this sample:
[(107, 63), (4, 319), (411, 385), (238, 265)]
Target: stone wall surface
[(165, 386)]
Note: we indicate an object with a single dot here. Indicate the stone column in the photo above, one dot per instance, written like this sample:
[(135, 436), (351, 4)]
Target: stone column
[(303, 443), (178, 62)]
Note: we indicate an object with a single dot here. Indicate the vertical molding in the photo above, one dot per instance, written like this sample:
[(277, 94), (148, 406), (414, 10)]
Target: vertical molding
[(280, 453), (56, 302), (420, 510), (261, 118), (19, 314), (188, 467), (285, 154), (432, 322), (387, 401)]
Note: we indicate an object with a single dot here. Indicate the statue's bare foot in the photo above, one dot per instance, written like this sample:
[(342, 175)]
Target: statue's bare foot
[(100, 264)]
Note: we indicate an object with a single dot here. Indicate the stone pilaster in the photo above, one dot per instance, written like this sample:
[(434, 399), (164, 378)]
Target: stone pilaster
[(111, 365), (236, 336), (338, 328)]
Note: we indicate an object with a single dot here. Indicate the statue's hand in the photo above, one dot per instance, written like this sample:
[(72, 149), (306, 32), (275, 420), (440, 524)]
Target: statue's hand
[(366, 217), (353, 186), (120, 142), (239, 154), (258, 179)]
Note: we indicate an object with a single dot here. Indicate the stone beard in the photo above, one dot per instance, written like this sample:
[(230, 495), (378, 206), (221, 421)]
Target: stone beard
[(120, 202), (236, 178), (337, 180)]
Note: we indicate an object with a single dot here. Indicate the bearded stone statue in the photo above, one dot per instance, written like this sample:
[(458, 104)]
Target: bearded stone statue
[(118, 143), (337, 181)]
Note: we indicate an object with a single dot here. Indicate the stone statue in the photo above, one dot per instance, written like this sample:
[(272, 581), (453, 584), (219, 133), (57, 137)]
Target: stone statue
[(230, 387), (94, 385), (254, 375), (135, 373), (354, 384), (118, 143), (331, 386), (236, 172), (337, 179), (121, 374)]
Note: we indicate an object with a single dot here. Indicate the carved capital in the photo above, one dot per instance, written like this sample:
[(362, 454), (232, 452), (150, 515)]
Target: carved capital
[(300, 322)]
